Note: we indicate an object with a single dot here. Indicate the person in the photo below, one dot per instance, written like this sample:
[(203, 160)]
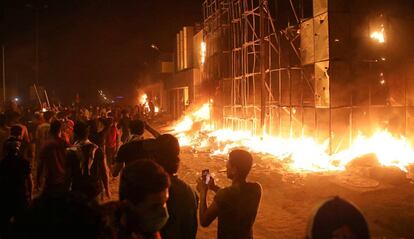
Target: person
[(235, 206), (136, 128), (14, 118), (87, 170), (51, 170), (15, 180), (111, 141), (61, 215), (42, 131), (124, 125), (337, 218), (135, 150), (183, 202), (141, 211), (98, 134), (4, 133)]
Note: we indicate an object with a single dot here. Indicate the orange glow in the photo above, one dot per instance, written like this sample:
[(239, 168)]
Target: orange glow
[(379, 36), (301, 154)]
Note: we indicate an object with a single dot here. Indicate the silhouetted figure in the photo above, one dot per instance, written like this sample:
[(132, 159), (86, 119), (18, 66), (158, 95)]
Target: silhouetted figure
[(16, 183), (52, 166), (87, 168), (142, 210), (235, 206), (337, 218), (183, 202)]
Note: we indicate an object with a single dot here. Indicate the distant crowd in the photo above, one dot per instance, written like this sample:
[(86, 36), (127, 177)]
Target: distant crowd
[(56, 166)]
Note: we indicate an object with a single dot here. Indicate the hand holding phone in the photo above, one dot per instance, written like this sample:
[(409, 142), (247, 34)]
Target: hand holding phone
[(205, 175)]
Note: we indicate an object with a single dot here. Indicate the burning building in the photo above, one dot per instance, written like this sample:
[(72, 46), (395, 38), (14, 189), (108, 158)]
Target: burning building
[(329, 69), (321, 82)]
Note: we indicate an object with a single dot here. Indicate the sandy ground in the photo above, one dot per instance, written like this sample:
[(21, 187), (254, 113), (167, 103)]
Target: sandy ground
[(288, 200)]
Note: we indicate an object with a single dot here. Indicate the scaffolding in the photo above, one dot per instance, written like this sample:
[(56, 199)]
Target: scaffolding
[(299, 76)]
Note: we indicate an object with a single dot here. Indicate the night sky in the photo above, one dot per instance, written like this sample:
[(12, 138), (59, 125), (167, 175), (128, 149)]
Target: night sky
[(86, 45)]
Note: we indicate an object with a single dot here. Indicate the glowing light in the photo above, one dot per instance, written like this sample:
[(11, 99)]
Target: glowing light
[(143, 99), (379, 35), (156, 109), (203, 50), (301, 154), (44, 109)]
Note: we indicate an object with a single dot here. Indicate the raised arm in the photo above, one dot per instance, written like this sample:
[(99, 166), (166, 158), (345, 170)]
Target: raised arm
[(154, 132)]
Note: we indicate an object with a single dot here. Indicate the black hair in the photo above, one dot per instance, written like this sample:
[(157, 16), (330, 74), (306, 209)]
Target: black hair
[(137, 127), (16, 131), (242, 161), (167, 153), (334, 214), (81, 130), (140, 179), (55, 127)]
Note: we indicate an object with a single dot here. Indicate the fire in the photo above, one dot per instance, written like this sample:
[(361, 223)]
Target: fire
[(143, 99), (303, 154), (378, 35)]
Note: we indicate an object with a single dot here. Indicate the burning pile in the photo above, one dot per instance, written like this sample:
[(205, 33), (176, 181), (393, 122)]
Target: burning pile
[(303, 154)]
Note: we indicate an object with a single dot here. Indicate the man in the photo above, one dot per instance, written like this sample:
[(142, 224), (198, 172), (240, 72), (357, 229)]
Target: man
[(16, 182), (42, 132), (135, 149), (51, 171), (136, 128), (182, 204), (111, 141), (235, 206), (142, 210), (124, 125), (87, 170)]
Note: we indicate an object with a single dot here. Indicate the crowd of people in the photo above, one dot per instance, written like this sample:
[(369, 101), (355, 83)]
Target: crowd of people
[(74, 153)]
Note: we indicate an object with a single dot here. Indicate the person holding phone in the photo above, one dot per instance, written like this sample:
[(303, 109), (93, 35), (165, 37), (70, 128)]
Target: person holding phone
[(235, 206)]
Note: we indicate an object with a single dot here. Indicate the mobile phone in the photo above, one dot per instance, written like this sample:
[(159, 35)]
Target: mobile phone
[(205, 174)]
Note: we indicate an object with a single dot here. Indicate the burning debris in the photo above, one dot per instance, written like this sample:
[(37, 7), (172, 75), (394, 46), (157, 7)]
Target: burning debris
[(379, 154)]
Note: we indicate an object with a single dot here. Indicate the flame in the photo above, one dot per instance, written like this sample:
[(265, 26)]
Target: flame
[(142, 99), (301, 154), (378, 35), (203, 50)]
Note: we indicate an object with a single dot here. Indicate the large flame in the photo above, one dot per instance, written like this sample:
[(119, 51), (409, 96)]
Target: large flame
[(300, 154)]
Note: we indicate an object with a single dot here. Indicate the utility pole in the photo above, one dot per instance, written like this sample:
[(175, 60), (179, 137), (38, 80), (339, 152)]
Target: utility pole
[(4, 73), (37, 45)]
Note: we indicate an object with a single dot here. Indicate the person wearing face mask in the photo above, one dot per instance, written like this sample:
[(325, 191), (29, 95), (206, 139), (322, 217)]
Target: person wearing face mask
[(235, 206), (142, 208)]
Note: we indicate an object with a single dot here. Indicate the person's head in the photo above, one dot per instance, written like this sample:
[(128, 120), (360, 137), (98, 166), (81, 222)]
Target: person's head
[(65, 215), (239, 164), (337, 218), (48, 115), (13, 117), (81, 130), (137, 127), (167, 153), (143, 190), (16, 132), (55, 128)]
